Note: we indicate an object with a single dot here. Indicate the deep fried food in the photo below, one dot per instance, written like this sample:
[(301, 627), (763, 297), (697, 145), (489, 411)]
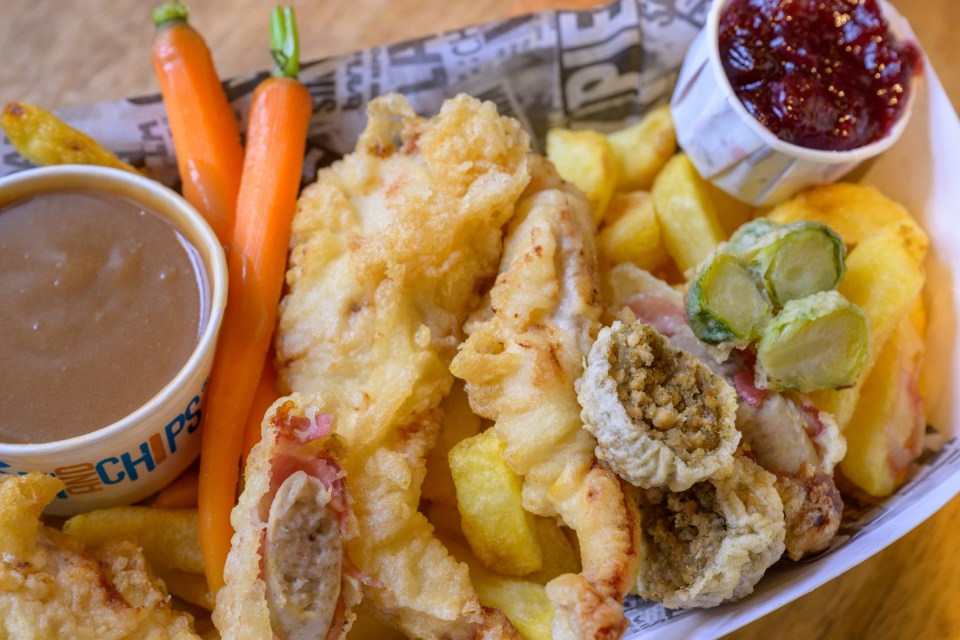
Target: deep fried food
[(390, 249), (784, 432), (660, 416), (287, 575), (52, 587), (714, 541), (524, 352)]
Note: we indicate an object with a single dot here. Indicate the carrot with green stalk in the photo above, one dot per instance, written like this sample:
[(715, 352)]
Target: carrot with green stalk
[(204, 129), (276, 140)]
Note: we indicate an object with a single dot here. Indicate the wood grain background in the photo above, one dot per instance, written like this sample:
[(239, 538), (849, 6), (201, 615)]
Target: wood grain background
[(70, 52)]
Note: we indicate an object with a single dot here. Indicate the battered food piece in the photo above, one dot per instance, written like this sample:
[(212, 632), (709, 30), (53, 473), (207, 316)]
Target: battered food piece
[(53, 587), (660, 416), (785, 433), (525, 349), (390, 250), (713, 542), (287, 575)]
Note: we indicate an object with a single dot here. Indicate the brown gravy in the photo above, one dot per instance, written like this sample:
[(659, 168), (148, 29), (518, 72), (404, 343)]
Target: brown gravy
[(100, 307)]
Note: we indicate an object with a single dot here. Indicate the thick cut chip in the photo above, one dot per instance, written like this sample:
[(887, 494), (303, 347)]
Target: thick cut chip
[(855, 211), (631, 232), (168, 537), (559, 553), (641, 150), (885, 434), (688, 219), (502, 535), (585, 159), (459, 423)]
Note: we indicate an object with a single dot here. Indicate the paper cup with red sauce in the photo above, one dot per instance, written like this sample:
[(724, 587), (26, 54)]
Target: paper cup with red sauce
[(737, 77)]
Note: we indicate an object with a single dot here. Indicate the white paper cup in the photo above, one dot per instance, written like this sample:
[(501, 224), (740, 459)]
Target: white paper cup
[(731, 149), (138, 455)]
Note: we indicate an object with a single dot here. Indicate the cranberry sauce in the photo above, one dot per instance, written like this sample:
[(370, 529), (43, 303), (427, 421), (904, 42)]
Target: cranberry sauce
[(822, 74)]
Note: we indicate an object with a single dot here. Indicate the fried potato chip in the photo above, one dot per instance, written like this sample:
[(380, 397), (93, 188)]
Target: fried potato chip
[(641, 150), (585, 159), (855, 211), (523, 601), (560, 555), (885, 433), (168, 536), (500, 532), (884, 278), (687, 215), (731, 213), (632, 232), (44, 139)]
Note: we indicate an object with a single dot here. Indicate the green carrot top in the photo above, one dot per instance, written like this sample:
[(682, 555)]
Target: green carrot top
[(284, 44), (168, 14)]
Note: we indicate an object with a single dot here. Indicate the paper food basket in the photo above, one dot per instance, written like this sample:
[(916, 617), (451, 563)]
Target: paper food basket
[(602, 68)]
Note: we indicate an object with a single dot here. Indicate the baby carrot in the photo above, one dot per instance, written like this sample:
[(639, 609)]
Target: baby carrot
[(265, 395), (204, 129), (276, 139)]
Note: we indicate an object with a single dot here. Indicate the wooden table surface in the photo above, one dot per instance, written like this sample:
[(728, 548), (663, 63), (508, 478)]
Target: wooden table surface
[(63, 53)]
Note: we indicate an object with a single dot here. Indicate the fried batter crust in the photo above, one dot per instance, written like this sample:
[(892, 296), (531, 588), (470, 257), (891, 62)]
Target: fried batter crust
[(390, 249), (660, 416), (245, 607), (52, 587), (783, 432), (523, 353), (713, 542)]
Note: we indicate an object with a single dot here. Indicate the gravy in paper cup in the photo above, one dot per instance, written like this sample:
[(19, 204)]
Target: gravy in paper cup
[(732, 149), (114, 289)]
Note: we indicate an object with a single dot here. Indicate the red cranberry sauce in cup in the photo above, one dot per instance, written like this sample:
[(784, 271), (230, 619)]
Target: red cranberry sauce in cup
[(821, 74)]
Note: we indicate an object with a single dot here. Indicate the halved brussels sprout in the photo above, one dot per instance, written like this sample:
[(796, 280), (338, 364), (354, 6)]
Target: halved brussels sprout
[(817, 342), (724, 304), (797, 260)]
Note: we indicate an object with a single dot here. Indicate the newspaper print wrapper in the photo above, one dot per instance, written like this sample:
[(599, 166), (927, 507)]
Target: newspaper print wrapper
[(602, 68)]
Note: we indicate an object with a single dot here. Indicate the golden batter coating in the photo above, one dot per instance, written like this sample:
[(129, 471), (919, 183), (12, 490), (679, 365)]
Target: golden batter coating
[(524, 351), (390, 250), (53, 587)]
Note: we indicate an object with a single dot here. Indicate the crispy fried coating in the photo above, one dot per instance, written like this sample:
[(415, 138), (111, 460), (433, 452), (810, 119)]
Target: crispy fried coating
[(286, 576), (52, 587), (784, 432), (521, 358), (714, 541), (660, 416), (390, 249)]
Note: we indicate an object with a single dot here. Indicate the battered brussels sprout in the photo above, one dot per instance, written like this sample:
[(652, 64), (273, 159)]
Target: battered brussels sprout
[(796, 260), (724, 304), (817, 342)]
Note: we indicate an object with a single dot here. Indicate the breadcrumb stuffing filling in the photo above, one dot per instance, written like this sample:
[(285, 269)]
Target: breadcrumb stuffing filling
[(668, 391), (685, 532)]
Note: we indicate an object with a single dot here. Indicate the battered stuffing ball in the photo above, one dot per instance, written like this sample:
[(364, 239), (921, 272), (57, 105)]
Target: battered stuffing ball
[(713, 542), (660, 416)]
